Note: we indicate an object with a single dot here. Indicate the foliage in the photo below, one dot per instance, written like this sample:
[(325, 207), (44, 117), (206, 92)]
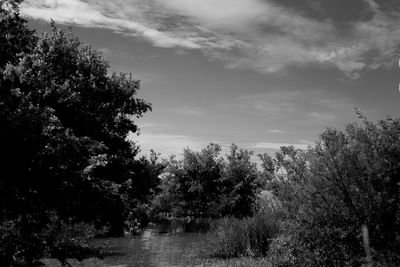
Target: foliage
[(203, 184), (239, 187), (64, 124), (191, 187), (21, 244), (15, 37), (352, 182), (65, 240), (139, 191)]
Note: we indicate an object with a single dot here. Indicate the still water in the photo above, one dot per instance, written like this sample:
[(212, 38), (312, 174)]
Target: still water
[(152, 249)]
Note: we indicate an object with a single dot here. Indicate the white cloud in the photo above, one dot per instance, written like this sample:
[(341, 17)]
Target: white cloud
[(294, 108), (255, 34), (87, 14), (151, 125), (167, 144), (277, 131), (221, 14), (322, 116), (190, 111), (277, 146)]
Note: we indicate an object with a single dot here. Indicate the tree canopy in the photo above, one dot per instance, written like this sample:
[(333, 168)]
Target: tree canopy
[(64, 123)]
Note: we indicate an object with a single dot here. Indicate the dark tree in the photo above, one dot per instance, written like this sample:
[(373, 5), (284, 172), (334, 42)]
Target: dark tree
[(63, 126), (240, 184)]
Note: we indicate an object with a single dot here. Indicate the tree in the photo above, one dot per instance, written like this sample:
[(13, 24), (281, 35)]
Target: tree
[(190, 187), (64, 122), (15, 37), (203, 184), (239, 184), (139, 191)]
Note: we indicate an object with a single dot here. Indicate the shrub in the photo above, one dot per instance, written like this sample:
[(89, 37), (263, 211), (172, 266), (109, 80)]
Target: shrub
[(65, 240), (26, 241), (348, 182), (16, 246)]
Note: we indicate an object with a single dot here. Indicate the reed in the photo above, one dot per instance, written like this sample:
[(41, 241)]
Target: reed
[(245, 237)]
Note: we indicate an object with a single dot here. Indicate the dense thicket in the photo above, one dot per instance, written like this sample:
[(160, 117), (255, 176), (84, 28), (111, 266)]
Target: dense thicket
[(63, 127), (341, 198)]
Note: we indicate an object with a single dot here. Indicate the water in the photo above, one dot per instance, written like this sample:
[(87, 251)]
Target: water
[(152, 249)]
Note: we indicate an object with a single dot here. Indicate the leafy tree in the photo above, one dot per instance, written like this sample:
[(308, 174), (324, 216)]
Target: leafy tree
[(240, 185), (139, 191), (15, 37), (64, 122), (191, 187), (203, 184)]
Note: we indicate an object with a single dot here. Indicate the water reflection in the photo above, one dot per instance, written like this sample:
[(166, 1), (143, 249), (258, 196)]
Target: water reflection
[(151, 249)]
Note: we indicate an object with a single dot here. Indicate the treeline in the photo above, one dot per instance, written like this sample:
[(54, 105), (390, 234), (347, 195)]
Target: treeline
[(336, 203), (206, 185)]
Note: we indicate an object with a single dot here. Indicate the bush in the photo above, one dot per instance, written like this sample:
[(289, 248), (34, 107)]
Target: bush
[(26, 241), (349, 181), (69, 240), (245, 237), (16, 246)]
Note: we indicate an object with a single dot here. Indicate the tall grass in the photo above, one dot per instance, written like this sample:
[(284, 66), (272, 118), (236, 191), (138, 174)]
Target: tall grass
[(245, 237)]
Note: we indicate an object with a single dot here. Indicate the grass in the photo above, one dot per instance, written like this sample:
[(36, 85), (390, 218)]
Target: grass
[(235, 262), (249, 237)]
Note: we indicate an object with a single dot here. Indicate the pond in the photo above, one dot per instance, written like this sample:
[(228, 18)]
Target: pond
[(150, 249)]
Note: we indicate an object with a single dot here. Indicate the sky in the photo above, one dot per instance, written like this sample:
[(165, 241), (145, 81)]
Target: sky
[(258, 73)]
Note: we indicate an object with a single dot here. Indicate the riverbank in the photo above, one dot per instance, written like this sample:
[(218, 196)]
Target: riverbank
[(239, 262)]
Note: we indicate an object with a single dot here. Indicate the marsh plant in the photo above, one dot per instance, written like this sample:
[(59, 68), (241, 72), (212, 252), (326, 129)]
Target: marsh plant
[(249, 236)]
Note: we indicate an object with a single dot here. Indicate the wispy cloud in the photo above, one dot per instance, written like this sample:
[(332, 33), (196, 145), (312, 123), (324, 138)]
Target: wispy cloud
[(173, 144), (148, 125), (307, 107), (257, 34), (277, 131), (167, 144), (322, 116), (115, 15), (277, 146), (190, 111)]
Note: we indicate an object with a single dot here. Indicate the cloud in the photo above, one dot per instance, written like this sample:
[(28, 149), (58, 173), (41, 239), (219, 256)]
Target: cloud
[(277, 131), (322, 116), (190, 111), (102, 15), (147, 125), (277, 146), (255, 34), (305, 108), (167, 144), (173, 144)]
